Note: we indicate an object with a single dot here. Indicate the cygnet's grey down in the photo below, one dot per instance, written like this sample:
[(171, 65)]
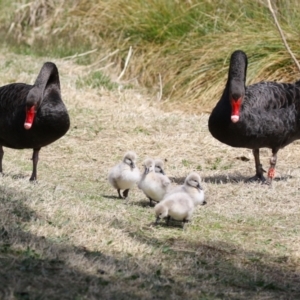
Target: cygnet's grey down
[(191, 186), (159, 166), (178, 206), (154, 185), (125, 175)]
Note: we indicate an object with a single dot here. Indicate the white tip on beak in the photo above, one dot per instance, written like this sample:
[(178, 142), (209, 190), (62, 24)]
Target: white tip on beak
[(27, 125), (235, 118)]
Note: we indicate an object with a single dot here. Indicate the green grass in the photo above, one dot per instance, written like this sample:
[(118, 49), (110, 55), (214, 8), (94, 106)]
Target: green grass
[(96, 80)]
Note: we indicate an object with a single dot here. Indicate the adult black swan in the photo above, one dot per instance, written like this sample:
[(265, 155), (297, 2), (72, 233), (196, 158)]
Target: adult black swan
[(265, 114), (32, 116)]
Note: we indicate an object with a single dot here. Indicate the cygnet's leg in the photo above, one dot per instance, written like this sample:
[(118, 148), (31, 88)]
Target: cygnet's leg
[(184, 222), (1, 157), (119, 192), (168, 220), (151, 201), (125, 193), (258, 167), (35, 159)]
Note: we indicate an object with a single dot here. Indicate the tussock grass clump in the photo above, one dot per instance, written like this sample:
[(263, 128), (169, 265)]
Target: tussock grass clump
[(186, 44)]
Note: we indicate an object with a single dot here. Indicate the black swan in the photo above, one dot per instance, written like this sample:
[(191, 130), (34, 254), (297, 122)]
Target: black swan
[(265, 114), (32, 116)]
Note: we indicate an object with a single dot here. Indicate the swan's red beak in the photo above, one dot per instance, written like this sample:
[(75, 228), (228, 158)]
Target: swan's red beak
[(235, 109), (30, 114)]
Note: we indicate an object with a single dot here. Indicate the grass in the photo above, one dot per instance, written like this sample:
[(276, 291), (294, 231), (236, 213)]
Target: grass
[(182, 47), (96, 80), (69, 237)]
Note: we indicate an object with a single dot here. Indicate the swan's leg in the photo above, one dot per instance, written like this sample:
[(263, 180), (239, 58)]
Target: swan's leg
[(258, 167), (1, 157), (271, 172), (35, 159)]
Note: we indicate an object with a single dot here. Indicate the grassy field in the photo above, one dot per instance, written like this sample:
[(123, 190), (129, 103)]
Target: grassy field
[(69, 237)]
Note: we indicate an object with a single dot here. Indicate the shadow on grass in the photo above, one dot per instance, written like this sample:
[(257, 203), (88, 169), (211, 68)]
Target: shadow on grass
[(143, 203), (216, 179), (222, 270), (15, 176), (112, 197), (224, 179), (20, 176), (34, 267)]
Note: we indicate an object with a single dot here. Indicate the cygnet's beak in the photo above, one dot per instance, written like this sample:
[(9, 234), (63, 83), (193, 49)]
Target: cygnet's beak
[(204, 202), (199, 187), (157, 220), (132, 165)]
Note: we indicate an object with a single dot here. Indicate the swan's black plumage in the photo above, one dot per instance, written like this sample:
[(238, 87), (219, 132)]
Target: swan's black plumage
[(51, 120), (268, 114)]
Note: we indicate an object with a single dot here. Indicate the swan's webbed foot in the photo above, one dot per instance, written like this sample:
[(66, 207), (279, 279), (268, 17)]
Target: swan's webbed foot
[(259, 169), (257, 178)]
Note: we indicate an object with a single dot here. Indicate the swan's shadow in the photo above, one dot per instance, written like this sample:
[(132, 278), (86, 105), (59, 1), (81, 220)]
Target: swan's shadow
[(177, 180), (225, 179), (218, 179), (283, 178), (14, 176)]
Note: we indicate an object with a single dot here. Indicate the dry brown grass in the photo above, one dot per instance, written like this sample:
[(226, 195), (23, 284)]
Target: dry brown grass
[(68, 237)]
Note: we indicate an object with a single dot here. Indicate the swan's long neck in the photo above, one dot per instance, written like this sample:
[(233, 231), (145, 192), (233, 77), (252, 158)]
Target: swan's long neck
[(47, 78), (236, 83)]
